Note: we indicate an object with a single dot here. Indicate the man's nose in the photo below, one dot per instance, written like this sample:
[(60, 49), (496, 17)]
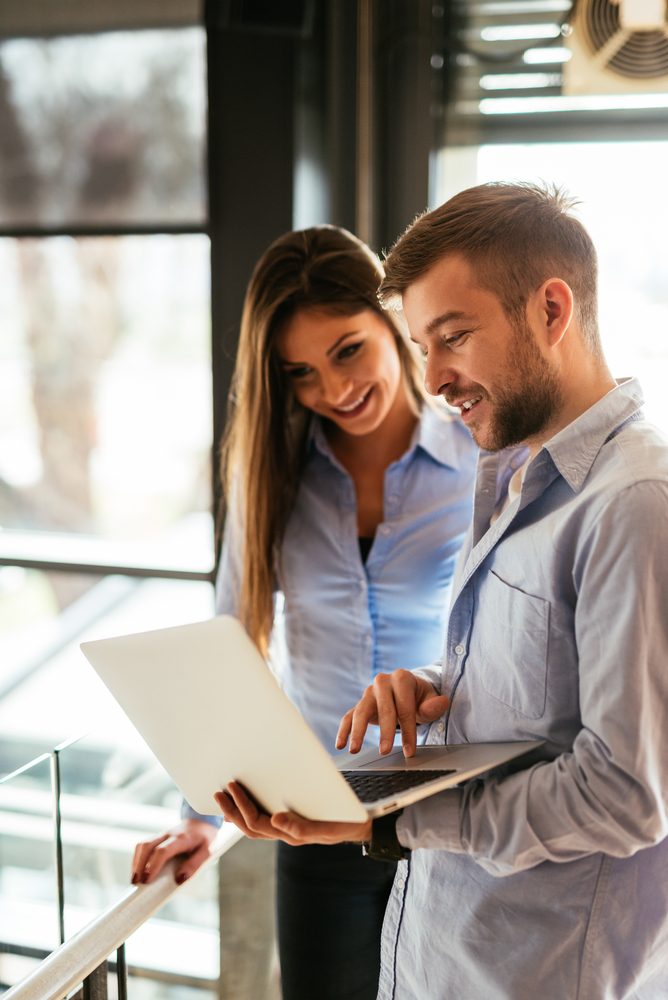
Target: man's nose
[(437, 376)]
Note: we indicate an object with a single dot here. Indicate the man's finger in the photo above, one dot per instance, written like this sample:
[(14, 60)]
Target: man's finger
[(364, 714), (432, 707), (406, 701), (384, 688), (305, 831), (233, 814), (344, 730)]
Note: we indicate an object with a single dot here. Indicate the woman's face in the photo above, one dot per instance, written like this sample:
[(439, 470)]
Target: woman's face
[(345, 368)]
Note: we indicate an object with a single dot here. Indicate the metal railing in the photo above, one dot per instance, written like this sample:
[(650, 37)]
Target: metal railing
[(83, 958)]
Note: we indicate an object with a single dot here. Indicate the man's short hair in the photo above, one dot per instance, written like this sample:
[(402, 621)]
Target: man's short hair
[(515, 236)]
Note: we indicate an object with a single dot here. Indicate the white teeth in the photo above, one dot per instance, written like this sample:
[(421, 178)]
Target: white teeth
[(469, 402), (353, 406)]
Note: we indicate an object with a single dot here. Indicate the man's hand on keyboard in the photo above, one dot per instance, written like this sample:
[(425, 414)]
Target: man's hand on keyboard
[(401, 697), (239, 808)]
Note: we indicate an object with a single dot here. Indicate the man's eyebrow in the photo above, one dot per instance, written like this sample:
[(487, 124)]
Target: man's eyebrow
[(449, 317)]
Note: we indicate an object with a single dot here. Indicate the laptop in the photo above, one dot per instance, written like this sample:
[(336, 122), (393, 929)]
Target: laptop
[(208, 706)]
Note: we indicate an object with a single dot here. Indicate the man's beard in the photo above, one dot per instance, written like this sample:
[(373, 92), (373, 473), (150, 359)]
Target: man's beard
[(526, 398)]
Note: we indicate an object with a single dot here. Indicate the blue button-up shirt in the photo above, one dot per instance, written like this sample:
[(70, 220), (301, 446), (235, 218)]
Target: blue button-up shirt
[(549, 881), (346, 621)]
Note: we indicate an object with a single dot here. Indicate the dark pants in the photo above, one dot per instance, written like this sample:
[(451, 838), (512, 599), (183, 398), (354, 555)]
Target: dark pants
[(330, 905)]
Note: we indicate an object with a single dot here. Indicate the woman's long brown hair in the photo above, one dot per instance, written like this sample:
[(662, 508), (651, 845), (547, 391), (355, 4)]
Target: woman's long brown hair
[(264, 448)]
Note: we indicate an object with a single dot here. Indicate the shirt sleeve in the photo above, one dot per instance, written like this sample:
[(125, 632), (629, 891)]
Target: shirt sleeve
[(610, 792), (187, 812), (432, 673), (228, 580)]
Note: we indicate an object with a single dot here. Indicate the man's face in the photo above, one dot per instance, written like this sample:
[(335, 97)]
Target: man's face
[(479, 361)]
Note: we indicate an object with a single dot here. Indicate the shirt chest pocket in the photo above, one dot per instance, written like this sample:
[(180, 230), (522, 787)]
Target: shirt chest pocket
[(508, 650)]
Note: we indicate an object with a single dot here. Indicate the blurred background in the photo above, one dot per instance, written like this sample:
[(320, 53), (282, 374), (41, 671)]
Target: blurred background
[(150, 150)]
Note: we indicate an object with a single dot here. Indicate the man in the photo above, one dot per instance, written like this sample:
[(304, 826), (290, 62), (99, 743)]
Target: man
[(547, 880)]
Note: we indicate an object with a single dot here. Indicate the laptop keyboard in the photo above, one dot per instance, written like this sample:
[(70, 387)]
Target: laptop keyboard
[(369, 786)]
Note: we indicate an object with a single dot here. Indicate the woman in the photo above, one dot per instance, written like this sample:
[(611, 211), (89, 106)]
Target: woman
[(350, 496)]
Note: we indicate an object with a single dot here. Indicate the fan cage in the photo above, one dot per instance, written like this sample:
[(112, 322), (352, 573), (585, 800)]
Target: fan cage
[(644, 56)]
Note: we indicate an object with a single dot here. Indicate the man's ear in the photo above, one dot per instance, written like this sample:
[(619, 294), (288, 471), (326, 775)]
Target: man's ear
[(553, 310)]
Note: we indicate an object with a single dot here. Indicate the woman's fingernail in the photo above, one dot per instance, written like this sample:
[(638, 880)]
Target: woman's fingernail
[(354, 746), (135, 878), (384, 746), (180, 879), (144, 877)]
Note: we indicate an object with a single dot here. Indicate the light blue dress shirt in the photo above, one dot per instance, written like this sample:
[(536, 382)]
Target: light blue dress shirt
[(346, 621), (549, 881)]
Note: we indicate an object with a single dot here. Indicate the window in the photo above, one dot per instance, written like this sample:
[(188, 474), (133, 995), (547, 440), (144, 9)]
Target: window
[(620, 185), (105, 450)]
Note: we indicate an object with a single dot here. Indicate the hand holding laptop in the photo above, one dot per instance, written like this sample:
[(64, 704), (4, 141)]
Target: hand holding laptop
[(238, 808), (297, 792), (400, 697)]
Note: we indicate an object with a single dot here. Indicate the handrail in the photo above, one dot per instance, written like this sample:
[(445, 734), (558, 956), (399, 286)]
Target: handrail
[(74, 960)]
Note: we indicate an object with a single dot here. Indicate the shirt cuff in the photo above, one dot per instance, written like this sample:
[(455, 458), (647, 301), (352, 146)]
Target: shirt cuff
[(433, 823), (187, 812)]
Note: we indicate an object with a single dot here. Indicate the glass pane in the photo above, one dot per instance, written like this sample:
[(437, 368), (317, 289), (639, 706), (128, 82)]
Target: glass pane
[(60, 696), (626, 213), (28, 897), (105, 391), (105, 128)]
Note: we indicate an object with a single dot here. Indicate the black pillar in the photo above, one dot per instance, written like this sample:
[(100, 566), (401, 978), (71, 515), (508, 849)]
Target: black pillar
[(251, 112)]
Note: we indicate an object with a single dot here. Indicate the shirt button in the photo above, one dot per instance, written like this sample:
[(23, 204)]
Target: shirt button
[(400, 883), (392, 499), (384, 529), (367, 640), (440, 727), (513, 464), (459, 650)]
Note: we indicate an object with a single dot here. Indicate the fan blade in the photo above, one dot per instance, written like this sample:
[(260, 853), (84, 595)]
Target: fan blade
[(611, 48)]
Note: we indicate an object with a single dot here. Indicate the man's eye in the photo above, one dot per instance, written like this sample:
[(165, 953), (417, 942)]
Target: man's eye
[(348, 351), (452, 341)]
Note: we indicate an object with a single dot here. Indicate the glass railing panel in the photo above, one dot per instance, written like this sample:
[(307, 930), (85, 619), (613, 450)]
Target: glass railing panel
[(29, 911), (113, 791)]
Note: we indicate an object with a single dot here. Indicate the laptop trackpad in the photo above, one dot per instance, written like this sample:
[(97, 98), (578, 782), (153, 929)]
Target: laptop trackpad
[(428, 757)]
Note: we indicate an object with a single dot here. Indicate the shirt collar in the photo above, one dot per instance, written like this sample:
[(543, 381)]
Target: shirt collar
[(432, 434), (574, 449), (435, 434)]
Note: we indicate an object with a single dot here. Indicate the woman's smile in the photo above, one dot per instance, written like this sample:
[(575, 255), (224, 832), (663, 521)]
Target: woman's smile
[(356, 408)]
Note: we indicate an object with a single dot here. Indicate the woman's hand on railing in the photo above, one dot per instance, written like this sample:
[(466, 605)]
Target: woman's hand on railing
[(192, 837)]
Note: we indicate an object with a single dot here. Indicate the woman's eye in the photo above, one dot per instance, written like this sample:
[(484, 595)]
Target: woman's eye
[(347, 352), (298, 372)]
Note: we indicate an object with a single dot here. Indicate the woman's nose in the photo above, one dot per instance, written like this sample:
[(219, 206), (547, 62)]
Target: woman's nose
[(335, 388)]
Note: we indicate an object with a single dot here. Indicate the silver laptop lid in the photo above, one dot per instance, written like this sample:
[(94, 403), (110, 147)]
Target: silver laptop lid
[(211, 711)]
